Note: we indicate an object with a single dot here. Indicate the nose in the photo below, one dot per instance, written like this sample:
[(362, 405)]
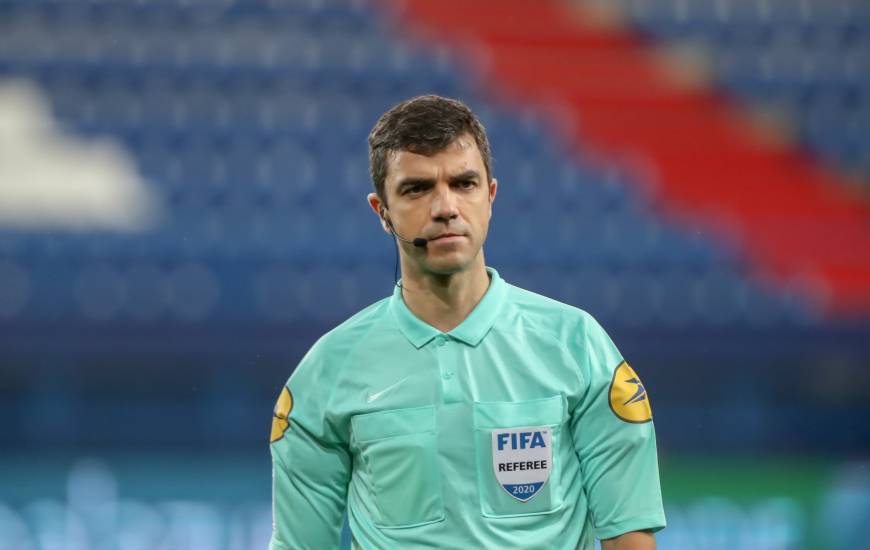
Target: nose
[(443, 207)]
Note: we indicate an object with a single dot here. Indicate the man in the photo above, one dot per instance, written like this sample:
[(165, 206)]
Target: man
[(462, 412)]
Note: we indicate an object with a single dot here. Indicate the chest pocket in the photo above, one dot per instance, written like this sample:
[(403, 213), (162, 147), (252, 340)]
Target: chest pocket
[(542, 420), (400, 454)]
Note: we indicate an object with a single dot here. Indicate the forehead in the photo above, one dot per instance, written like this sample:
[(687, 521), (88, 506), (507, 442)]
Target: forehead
[(460, 155)]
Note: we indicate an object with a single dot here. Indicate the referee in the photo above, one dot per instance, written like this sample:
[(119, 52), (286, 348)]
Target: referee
[(462, 411)]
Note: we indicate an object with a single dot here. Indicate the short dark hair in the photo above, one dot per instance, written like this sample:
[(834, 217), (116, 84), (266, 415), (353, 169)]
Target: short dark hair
[(425, 125)]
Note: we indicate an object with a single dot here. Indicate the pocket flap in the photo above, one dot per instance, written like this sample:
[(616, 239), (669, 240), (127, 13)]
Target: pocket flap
[(392, 423), (516, 414)]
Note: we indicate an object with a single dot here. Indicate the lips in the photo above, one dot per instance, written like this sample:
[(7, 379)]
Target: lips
[(445, 236)]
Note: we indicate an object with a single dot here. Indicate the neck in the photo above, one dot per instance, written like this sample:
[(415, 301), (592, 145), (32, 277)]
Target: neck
[(444, 301)]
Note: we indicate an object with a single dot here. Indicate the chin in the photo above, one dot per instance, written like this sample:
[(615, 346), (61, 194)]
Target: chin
[(447, 264)]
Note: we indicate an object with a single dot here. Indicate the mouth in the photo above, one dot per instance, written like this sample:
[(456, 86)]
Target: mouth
[(447, 237)]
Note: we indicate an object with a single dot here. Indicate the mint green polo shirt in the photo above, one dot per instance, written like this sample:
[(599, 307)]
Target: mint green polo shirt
[(523, 427)]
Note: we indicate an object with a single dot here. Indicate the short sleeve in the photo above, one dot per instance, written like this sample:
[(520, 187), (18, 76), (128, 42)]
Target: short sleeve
[(311, 465), (614, 438)]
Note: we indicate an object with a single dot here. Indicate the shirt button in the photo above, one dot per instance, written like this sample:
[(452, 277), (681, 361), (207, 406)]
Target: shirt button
[(447, 375), (441, 341)]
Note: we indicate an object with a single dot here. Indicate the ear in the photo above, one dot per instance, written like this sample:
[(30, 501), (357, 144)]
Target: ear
[(493, 189), (378, 208)]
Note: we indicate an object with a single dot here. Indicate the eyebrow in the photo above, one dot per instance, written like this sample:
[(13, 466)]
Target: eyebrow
[(464, 176), (412, 181)]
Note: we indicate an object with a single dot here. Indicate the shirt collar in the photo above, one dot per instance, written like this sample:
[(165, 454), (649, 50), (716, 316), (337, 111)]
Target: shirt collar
[(470, 331)]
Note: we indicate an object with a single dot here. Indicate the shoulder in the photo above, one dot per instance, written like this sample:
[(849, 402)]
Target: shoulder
[(351, 332), (544, 314), (575, 329), (331, 349)]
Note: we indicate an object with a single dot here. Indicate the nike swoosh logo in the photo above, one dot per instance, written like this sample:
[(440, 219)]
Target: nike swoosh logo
[(375, 396)]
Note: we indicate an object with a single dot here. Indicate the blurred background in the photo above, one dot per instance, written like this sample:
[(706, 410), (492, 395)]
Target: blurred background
[(182, 214)]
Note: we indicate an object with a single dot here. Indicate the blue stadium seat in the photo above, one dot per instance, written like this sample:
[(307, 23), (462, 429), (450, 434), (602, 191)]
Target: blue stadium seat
[(779, 53)]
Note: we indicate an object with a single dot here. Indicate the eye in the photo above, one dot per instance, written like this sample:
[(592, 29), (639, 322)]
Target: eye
[(414, 189), (467, 184)]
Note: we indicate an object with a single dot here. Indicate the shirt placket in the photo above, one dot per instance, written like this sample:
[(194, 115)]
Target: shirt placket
[(446, 353)]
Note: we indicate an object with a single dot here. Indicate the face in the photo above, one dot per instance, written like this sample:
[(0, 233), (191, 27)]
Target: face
[(444, 198)]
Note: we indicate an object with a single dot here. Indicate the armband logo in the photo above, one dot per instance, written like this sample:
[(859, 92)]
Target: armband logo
[(628, 398), (280, 414)]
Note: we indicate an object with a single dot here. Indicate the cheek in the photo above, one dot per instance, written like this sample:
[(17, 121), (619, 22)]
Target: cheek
[(412, 215), (486, 208), (482, 218)]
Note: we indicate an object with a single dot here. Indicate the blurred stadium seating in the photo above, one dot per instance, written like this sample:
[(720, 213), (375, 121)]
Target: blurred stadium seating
[(248, 123), (801, 57)]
